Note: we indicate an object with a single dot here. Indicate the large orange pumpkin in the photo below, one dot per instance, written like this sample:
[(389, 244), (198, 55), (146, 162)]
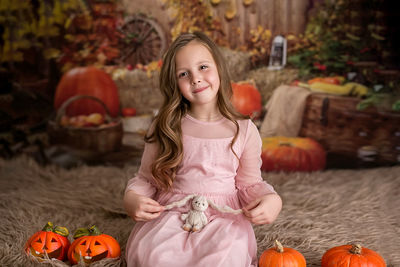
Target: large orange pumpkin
[(87, 81), (246, 99), (91, 245), (292, 154), (280, 256), (51, 242), (352, 256)]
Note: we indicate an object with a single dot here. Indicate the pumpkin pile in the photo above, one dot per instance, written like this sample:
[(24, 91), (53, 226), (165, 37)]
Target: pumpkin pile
[(90, 245)]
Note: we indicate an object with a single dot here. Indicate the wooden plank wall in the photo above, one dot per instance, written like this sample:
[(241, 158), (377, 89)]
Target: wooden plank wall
[(280, 16)]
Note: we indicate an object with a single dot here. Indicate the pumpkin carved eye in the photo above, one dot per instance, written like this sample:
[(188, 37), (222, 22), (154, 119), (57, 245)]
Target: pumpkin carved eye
[(97, 243), (83, 243), (53, 240), (39, 240)]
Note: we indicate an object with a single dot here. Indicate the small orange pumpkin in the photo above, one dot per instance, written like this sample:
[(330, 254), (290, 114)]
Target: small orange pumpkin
[(91, 245), (281, 153), (246, 99), (51, 242), (351, 256), (280, 256)]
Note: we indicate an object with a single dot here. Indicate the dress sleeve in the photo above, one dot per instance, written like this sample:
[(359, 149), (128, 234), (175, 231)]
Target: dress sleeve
[(248, 179), (142, 183)]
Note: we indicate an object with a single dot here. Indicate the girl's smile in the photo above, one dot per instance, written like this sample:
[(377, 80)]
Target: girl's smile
[(201, 89)]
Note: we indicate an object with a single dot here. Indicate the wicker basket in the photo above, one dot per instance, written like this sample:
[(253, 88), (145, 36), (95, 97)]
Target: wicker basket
[(351, 136), (104, 138)]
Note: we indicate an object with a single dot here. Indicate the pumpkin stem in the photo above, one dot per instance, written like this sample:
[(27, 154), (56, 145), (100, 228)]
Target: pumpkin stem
[(87, 232), (278, 246), (63, 231), (48, 227), (94, 230), (356, 249), (285, 144)]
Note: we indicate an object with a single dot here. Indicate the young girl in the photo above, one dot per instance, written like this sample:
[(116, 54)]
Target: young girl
[(198, 144)]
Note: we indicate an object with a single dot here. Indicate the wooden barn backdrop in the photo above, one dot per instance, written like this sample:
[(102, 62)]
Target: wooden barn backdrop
[(237, 17)]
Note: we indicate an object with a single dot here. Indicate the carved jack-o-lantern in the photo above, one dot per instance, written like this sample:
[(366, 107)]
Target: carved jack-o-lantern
[(51, 242), (91, 245)]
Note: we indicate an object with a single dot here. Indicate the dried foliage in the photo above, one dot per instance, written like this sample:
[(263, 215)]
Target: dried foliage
[(259, 45), (92, 37), (195, 15)]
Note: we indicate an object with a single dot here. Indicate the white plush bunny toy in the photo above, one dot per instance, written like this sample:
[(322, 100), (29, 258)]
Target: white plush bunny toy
[(196, 219)]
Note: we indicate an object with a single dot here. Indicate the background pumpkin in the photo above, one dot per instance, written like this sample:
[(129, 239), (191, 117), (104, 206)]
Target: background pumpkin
[(51, 242), (91, 245), (87, 81), (246, 99), (280, 256), (352, 256), (281, 153)]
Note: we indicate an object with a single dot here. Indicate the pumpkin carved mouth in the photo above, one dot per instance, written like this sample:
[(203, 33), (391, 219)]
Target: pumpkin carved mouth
[(52, 255), (89, 259)]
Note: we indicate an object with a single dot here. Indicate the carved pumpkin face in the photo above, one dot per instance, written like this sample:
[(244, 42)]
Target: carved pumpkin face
[(92, 246), (51, 242)]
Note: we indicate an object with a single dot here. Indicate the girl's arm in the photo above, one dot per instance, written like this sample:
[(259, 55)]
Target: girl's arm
[(139, 192), (261, 204)]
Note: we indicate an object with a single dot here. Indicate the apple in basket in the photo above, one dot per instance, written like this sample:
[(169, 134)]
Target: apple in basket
[(95, 119), (91, 120)]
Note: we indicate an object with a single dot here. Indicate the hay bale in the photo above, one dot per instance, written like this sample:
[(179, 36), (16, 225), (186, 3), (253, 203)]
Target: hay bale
[(267, 80), (139, 89), (238, 63)]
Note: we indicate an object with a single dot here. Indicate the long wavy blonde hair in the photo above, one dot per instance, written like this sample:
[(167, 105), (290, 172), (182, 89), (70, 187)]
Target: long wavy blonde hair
[(167, 131)]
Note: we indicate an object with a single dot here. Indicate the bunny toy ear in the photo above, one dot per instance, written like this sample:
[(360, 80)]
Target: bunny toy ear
[(179, 203), (225, 209)]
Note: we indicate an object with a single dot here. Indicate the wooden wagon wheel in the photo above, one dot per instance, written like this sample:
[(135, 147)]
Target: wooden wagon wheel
[(143, 40)]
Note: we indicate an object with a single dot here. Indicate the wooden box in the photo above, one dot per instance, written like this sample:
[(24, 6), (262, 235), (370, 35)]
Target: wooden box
[(352, 138)]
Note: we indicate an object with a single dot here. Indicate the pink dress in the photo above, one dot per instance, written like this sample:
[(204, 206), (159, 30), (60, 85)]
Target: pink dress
[(208, 168)]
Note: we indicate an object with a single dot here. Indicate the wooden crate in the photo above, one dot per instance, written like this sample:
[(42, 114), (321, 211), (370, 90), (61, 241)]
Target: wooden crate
[(352, 138)]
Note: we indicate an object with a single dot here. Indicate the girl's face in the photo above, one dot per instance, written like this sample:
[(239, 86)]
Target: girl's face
[(197, 74)]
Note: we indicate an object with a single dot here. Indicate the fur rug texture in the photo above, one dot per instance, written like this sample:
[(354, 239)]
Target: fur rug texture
[(321, 210)]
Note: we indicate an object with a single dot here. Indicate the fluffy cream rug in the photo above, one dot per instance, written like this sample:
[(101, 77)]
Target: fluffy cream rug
[(321, 210)]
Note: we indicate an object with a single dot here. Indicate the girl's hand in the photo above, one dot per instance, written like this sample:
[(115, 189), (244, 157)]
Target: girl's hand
[(263, 210), (141, 208)]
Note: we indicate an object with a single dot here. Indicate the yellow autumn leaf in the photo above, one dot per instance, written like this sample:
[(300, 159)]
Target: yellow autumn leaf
[(50, 53), (291, 37), (68, 22), (247, 2), (69, 37)]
